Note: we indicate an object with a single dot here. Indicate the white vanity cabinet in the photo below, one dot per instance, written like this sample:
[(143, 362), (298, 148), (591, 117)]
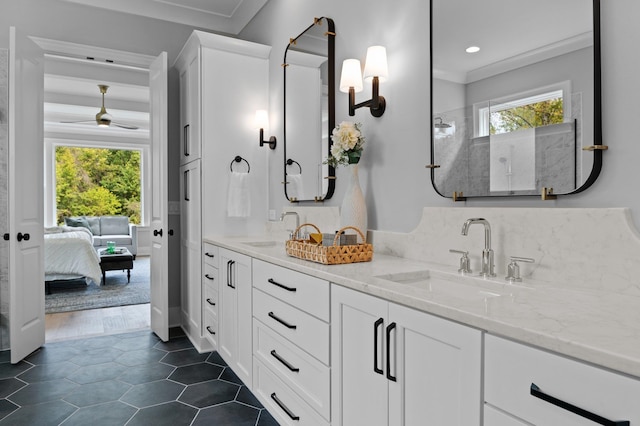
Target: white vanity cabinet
[(291, 344), (517, 376), (223, 80), (392, 365), (210, 299), (234, 341)]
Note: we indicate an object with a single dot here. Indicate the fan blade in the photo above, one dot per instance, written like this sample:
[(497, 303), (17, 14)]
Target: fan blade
[(125, 126), (80, 121)]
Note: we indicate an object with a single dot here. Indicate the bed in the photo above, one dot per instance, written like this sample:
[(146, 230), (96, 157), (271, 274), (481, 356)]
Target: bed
[(69, 255)]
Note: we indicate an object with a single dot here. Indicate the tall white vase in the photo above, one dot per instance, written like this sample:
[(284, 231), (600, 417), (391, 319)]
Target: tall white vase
[(354, 209)]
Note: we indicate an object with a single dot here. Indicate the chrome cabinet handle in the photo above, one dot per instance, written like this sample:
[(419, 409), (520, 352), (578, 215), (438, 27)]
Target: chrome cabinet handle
[(535, 391)]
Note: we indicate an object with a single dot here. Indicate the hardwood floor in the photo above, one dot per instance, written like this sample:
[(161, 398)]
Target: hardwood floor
[(96, 322)]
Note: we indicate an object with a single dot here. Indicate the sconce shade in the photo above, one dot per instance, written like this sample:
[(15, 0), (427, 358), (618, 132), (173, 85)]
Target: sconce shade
[(376, 64), (351, 76), (262, 119)]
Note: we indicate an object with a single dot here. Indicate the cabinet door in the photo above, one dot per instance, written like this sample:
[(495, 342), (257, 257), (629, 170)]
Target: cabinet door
[(235, 340), (359, 389), (191, 258), (435, 368), (190, 110)]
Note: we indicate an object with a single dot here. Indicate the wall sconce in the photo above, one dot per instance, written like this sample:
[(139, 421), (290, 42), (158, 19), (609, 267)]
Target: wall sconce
[(262, 121), (375, 72)]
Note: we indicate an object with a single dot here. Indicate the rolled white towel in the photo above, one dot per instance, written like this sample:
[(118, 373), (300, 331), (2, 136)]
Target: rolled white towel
[(238, 198), (295, 187)]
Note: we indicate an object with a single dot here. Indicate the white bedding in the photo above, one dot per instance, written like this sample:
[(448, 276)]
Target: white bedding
[(71, 253)]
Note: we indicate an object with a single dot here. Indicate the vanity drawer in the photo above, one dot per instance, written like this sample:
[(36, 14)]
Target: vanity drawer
[(305, 292), (210, 329), (511, 368), (494, 417), (209, 275), (306, 376), (210, 299), (304, 330), (210, 254), (282, 402)]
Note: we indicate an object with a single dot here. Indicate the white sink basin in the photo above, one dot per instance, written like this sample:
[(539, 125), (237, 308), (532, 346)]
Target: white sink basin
[(439, 283), (261, 243)]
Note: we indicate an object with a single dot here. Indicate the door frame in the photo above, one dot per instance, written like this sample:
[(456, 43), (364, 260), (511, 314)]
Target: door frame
[(120, 59)]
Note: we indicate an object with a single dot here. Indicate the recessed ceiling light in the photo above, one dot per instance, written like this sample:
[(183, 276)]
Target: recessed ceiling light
[(472, 49)]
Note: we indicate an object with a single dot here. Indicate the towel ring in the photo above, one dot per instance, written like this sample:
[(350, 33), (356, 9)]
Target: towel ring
[(291, 161), (237, 160)]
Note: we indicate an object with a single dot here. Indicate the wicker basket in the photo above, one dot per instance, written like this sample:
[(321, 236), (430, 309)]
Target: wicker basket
[(330, 255)]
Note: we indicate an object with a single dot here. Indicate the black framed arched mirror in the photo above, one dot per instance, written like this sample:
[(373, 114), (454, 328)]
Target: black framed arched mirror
[(515, 97), (309, 112)]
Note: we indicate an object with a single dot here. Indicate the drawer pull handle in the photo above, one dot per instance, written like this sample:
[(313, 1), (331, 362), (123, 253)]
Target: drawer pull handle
[(209, 277), (284, 361), (284, 407), (535, 391), (376, 325), (283, 322), (390, 328), (276, 283), (210, 331), (230, 278), (209, 254), (210, 302)]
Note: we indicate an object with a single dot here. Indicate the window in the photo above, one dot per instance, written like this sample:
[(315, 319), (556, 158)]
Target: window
[(535, 108), (97, 181)]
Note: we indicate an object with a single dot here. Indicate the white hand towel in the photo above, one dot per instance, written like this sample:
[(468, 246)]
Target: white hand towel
[(295, 187), (239, 199)]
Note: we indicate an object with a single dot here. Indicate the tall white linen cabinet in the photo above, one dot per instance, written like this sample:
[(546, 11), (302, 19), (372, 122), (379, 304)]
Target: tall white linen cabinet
[(223, 81)]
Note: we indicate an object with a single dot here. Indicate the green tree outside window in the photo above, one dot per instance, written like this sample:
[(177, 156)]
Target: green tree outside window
[(97, 181)]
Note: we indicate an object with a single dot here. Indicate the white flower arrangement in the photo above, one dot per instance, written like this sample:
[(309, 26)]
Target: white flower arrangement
[(347, 144)]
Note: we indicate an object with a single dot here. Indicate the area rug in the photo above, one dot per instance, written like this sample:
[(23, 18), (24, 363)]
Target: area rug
[(77, 295)]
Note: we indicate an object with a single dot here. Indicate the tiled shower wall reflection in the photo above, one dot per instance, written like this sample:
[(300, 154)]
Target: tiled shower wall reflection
[(4, 201), (465, 160)]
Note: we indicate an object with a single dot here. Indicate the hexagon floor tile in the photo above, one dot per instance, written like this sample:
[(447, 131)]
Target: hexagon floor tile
[(125, 379)]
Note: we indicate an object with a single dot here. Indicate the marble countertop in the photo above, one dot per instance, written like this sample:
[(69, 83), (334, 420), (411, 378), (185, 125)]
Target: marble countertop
[(598, 327)]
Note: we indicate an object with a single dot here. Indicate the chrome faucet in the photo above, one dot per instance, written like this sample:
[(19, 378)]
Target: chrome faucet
[(488, 268), (284, 214)]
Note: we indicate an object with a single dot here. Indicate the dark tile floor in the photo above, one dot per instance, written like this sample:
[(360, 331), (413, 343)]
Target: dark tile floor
[(126, 379)]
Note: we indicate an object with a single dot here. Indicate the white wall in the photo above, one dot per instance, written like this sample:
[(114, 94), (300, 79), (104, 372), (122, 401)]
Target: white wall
[(395, 182)]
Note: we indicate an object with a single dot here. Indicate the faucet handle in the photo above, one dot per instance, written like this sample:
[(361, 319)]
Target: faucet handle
[(513, 269), (464, 261)]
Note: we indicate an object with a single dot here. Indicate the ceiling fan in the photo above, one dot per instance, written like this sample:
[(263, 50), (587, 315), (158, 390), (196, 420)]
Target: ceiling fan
[(103, 118)]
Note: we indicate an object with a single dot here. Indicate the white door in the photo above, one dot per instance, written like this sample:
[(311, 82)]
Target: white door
[(26, 196), (359, 389), (436, 365), (159, 199)]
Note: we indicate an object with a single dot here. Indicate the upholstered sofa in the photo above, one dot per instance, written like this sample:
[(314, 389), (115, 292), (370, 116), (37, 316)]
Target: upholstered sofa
[(108, 228)]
